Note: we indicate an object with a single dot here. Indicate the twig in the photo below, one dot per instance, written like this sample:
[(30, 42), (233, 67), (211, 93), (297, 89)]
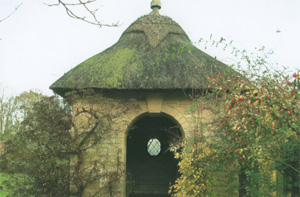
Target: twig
[(278, 161), (16, 8), (90, 12)]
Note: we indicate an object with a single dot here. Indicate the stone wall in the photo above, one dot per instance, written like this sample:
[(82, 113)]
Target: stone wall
[(174, 105)]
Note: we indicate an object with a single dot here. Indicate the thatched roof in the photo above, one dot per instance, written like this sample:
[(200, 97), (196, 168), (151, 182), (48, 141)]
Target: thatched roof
[(154, 52)]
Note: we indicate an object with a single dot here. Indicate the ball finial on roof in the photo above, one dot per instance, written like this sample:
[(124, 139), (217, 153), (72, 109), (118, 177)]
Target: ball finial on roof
[(155, 4)]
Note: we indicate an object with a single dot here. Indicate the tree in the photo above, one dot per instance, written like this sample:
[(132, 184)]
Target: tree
[(14, 109), (44, 154), (7, 108), (253, 133)]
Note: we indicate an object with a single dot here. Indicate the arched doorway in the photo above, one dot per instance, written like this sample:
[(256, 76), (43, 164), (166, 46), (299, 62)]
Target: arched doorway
[(151, 167)]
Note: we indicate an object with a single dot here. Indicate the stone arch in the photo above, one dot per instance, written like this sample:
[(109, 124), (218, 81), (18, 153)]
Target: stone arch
[(178, 119), (150, 174), (177, 116)]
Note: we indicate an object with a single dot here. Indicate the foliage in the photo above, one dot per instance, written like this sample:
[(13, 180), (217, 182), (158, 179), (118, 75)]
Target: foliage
[(14, 109), (195, 179), (7, 108), (252, 132), (44, 153), (3, 190), (33, 153)]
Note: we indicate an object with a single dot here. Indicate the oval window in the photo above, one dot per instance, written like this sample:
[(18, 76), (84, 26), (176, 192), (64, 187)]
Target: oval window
[(153, 147)]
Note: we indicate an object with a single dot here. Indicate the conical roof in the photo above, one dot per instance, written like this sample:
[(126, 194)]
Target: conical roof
[(154, 52)]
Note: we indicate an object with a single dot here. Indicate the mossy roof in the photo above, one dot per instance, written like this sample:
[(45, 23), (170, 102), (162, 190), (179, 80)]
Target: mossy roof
[(154, 52)]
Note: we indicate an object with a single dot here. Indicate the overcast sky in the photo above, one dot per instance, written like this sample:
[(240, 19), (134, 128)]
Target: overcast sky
[(40, 43)]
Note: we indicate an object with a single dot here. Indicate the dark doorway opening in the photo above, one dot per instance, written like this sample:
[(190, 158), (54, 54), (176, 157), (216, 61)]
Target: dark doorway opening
[(151, 167)]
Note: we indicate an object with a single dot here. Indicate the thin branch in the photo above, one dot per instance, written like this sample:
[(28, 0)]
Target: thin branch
[(278, 161), (16, 8), (70, 4), (84, 4)]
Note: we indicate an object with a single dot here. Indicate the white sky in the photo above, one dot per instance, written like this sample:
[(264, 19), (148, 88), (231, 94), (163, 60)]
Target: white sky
[(39, 44)]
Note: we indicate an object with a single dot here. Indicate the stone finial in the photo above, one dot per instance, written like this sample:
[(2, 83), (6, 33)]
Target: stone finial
[(155, 4)]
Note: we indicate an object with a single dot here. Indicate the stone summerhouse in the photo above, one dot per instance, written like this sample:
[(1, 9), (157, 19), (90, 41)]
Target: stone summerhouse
[(155, 66)]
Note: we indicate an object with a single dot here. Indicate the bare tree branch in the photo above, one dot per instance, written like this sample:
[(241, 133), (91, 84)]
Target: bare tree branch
[(90, 13), (16, 8)]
